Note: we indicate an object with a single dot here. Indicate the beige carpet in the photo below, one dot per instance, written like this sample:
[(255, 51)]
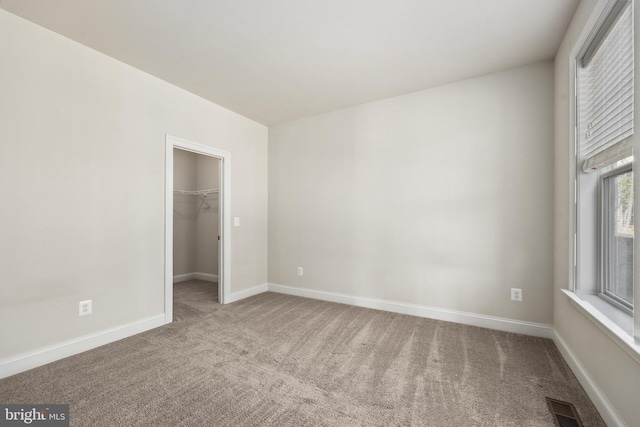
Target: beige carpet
[(278, 360)]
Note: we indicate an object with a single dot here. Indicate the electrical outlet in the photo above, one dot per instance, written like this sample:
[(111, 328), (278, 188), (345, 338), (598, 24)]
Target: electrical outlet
[(516, 294), (300, 271), (85, 307)]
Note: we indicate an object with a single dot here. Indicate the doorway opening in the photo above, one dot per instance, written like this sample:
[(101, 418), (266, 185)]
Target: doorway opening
[(197, 238)]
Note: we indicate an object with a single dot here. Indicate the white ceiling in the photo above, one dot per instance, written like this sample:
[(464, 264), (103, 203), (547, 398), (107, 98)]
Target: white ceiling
[(278, 60)]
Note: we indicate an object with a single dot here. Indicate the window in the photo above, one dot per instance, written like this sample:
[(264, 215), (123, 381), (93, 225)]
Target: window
[(617, 236), (604, 155)]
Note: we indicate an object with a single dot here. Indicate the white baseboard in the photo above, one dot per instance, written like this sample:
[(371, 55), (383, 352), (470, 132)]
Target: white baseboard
[(237, 296), (599, 399), (480, 320), (206, 277), (23, 362), (179, 278)]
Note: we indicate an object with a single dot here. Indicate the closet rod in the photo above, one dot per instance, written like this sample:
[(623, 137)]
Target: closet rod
[(196, 192)]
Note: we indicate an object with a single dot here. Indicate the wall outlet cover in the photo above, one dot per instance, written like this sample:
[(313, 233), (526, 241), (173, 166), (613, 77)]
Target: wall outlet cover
[(85, 307), (516, 294)]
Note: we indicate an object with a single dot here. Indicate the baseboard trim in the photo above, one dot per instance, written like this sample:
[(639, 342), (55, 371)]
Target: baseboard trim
[(465, 318), (206, 277), (237, 296), (179, 278), (597, 396), (25, 361)]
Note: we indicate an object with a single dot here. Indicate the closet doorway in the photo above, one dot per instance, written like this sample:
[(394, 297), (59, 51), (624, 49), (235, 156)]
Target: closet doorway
[(196, 223)]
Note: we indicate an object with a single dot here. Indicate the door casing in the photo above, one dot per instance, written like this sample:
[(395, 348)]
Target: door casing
[(224, 227)]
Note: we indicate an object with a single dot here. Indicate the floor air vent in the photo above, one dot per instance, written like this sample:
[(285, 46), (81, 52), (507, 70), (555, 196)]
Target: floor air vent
[(564, 413)]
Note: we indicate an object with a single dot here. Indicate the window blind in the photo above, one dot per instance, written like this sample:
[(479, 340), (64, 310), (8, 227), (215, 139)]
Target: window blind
[(605, 83)]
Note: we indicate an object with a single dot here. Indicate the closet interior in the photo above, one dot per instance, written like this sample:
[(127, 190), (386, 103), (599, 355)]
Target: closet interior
[(196, 213)]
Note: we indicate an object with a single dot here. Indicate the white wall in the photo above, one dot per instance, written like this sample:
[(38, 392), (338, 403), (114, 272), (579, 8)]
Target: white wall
[(195, 226), (206, 242), (614, 374), (442, 198), (82, 145), (184, 213)]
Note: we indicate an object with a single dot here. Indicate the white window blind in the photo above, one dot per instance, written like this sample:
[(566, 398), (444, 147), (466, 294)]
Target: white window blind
[(606, 86)]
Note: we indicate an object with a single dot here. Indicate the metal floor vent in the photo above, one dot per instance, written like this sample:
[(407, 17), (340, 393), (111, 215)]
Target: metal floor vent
[(564, 413)]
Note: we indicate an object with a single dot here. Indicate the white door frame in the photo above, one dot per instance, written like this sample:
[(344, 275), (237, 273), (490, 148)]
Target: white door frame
[(224, 254)]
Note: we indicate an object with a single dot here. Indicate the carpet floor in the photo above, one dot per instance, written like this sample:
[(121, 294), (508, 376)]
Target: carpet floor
[(279, 360)]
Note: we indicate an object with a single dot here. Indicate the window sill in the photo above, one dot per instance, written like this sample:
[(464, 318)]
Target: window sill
[(596, 310), (621, 318)]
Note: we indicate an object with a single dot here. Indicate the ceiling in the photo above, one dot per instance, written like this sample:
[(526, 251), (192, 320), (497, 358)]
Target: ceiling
[(279, 60)]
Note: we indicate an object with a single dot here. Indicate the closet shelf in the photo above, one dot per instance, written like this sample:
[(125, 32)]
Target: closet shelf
[(196, 192), (202, 194)]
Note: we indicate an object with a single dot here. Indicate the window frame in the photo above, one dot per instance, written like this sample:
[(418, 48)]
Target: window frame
[(611, 321), (606, 210), (591, 275)]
